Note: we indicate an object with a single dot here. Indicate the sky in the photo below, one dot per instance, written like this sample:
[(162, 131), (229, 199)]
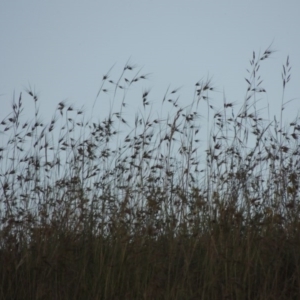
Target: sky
[(62, 49)]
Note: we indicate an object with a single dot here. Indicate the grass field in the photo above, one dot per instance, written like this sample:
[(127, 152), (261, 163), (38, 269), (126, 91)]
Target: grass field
[(86, 214)]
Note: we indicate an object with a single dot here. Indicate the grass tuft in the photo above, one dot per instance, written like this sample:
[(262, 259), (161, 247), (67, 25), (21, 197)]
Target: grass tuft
[(89, 214)]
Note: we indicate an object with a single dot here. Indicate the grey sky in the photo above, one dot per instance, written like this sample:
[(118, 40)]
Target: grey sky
[(63, 48)]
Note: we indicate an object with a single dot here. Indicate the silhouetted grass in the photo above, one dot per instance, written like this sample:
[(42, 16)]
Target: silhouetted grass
[(86, 214)]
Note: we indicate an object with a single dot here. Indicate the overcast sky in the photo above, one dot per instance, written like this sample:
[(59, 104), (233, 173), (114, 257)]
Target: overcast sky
[(63, 48)]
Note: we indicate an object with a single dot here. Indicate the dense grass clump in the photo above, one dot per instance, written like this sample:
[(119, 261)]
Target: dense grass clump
[(89, 214)]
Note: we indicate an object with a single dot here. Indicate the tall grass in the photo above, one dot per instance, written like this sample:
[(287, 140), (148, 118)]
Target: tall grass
[(89, 214)]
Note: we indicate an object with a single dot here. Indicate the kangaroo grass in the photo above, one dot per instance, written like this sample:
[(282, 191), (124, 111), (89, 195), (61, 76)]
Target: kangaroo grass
[(89, 210)]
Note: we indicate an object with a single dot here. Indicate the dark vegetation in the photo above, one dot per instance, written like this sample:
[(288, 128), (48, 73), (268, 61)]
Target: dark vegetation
[(88, 215)]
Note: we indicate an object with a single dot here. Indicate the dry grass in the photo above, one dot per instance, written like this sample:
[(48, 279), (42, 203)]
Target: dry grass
[(82, 218)]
